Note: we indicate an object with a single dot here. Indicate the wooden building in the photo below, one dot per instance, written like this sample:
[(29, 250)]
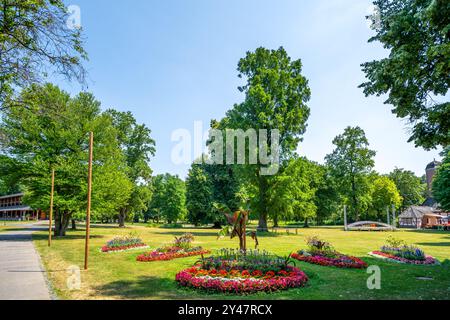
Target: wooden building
[(13, 208)]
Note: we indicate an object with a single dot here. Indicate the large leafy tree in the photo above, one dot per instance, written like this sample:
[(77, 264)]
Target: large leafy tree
[(199, 196), (327, 198), (441, 182), (276, 94), (35, 41), (51, 132), (292, 192), (169, 198), (351, 163), (138, 147), (384, 194), (416, 75), (410, 187)]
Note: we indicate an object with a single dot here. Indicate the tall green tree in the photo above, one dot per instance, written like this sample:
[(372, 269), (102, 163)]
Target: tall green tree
[(350, 164), (35, 41), (384, 194), (276, 94), (51, 132), (441, 182), (169, 198), (292, 192), (327, 198), (138, 147), (410, 187), (416, 75), (199, 196)]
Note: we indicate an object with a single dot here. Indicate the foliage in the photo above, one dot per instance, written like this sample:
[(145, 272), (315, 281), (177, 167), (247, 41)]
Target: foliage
[(276, 94), (137, 146), (400, 248), (410, 187), (441, 182), (52, 132), (169, 198), (184, 241), (199, 196), (121, 243), (35, 41), (384, 194), (350, 164), (416, 74), (292, 192)]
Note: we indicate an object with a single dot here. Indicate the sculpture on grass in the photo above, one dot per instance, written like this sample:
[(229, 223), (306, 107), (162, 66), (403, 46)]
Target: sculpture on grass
[(237, 226)]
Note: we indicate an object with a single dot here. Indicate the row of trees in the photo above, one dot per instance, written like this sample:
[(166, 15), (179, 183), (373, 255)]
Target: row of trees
[(49, 130)]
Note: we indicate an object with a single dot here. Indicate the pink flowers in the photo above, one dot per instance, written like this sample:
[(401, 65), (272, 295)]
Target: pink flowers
[(239, 282), (428, 259), (340, 261)]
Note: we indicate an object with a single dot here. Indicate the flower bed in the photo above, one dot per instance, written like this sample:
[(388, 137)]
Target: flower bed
[(180, 248), (124, 243), (397, 250), (322, 253), (174, 253), (339, 260), (241, 281), (429, 260)]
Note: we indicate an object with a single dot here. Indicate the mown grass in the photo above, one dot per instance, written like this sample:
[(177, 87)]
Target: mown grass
[(120, 276)]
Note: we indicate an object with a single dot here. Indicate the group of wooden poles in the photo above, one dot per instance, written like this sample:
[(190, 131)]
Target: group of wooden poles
[(88, 211)]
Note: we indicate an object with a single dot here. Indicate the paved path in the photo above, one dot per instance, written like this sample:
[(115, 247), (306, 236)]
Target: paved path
[(21, 273)]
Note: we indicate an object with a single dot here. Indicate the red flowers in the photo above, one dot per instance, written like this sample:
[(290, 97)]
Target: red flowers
[(341, 261), (123, 248), (236, 281), (170, 255), (428, 259)]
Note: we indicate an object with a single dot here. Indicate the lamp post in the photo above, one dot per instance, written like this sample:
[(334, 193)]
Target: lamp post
[(88, 212)]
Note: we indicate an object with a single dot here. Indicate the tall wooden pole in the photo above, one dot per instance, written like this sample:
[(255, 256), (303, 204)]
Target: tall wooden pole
[(51, 209), (88, 212)]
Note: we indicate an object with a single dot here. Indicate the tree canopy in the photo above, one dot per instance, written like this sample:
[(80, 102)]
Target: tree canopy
[(35, 41), (441, 182), (410, 187), (416, 75), (350, 163)]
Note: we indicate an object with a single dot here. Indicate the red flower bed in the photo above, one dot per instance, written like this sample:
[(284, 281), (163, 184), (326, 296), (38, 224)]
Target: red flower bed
[(341, 261), (428, 259), (122, 248), (163, 256), (241, 282)]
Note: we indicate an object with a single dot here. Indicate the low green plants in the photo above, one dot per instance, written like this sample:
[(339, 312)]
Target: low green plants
[(124, 242), (400, 248)]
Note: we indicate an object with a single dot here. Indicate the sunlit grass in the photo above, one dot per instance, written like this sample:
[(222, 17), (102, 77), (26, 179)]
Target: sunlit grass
[(120, 276)]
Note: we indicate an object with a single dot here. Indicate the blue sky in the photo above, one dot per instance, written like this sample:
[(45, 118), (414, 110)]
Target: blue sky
[(174, 62)]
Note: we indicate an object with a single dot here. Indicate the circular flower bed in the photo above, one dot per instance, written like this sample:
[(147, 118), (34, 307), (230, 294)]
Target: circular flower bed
[(124, 248), (174, 253), (241, 281), (429, 260), (339, 260)]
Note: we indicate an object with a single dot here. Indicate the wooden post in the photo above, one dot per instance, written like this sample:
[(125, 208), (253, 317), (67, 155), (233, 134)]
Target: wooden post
[(88, 212), (51, 209), (388, 215), (345, 217)]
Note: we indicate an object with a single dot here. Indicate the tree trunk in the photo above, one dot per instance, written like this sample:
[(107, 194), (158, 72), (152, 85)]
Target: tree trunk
[(275, 222), (217, 225), (62, 220), (262, 224), (355, 201), (74, 224), (122, 217), (306, 225)]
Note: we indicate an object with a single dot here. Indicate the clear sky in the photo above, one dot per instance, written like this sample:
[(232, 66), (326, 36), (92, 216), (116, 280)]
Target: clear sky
[(174, 62)]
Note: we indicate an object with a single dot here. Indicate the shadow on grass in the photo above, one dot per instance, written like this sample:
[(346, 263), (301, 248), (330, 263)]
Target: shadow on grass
[(434, 244), (141, 288), (67, 237), (428, 231)]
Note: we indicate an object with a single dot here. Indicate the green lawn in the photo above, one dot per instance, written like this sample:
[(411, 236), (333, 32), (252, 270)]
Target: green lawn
[(119, 276)]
